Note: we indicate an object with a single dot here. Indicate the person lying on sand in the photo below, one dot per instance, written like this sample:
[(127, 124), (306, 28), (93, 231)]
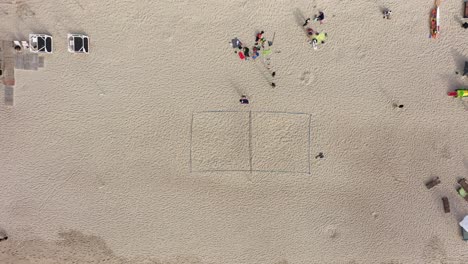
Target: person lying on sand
[(244, 100)]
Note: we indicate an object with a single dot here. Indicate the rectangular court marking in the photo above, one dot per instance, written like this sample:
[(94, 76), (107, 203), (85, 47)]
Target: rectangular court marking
[(250, 147)]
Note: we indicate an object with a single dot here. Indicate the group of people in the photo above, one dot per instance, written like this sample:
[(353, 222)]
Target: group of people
[(315, 37), (260, 47)]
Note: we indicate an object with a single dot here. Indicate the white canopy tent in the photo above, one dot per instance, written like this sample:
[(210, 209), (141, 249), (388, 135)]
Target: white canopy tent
[(78, 43), (40, 43), (464, 223)]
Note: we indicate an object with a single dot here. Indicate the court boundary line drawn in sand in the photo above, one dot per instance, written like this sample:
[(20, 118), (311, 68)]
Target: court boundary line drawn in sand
[(250, 148)]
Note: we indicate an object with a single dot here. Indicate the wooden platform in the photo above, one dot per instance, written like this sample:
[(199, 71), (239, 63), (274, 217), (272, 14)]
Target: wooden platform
[(7, 58), (9, 95), (465, 11), (28, 61)]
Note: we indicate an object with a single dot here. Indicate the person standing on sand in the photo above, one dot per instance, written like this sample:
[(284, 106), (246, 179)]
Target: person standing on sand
[(387, 13), (320, 17), (259, 36), (246, 53)]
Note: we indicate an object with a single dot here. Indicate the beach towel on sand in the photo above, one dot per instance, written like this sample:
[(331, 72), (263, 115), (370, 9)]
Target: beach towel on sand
[(320, 37), (266, 52)]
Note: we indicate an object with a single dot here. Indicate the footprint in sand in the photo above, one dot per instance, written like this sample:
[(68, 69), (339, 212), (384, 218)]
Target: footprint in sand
[(306, 78), (24, 11), (168, 36), (331, 232), (434, 250)]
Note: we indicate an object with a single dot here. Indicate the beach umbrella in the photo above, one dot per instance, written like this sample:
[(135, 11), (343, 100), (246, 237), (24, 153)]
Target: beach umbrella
[(464, 223)]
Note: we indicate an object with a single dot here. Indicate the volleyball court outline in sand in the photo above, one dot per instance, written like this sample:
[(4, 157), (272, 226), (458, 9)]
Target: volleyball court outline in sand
[(251, 141)]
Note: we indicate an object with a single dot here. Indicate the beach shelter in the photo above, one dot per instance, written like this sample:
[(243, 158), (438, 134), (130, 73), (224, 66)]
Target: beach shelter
[(464, 225), (78, 43), (40, 43)]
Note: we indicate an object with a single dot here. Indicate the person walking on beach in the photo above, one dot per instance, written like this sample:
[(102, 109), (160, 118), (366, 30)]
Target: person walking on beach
[(395, 105), (320, 17), (259, 37), (244, 100), (306, 22), (387, 13)]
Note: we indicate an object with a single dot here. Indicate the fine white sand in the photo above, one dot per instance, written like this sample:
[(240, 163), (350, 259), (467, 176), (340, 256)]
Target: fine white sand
[(111, 157)]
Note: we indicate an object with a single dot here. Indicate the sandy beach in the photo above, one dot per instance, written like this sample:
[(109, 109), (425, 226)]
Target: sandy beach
[(140, 152)]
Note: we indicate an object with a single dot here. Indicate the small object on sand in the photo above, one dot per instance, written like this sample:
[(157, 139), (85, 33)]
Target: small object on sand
[(273, 84), (3, 235), (310, 32), (320, 155), (17, 45), (244, 100), (236, 43), (241, 55), (465, 25), (314, 44), (435, 21), (270, 42), (446, 204), (273, 74), (25, 44), (463, 193), (463, 183), (432, 183), (458, 93)]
